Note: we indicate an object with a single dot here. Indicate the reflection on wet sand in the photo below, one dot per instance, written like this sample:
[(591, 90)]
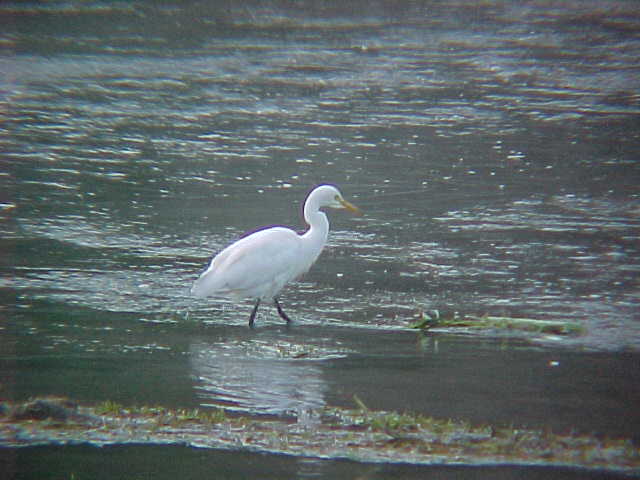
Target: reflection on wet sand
[(259, 376)]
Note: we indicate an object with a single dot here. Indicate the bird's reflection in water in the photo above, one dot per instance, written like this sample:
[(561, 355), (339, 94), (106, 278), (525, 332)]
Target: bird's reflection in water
[(257, 377)]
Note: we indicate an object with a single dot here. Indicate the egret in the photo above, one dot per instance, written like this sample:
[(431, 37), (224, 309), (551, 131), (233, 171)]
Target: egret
[(261, 264)]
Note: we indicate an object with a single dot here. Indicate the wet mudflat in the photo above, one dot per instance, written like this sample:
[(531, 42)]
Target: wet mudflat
[(493, 148), (342, 393), (360, 434)]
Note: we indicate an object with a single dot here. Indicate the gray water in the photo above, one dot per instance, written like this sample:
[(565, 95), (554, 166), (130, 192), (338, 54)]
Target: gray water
[(493, 147), (178, 462)]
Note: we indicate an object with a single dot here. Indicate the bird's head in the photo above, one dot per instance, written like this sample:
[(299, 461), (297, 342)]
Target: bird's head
[(329, 196)]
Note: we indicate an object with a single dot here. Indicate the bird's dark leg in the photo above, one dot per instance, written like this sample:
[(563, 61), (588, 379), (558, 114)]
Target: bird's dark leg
[(253, 313), (281, 312)]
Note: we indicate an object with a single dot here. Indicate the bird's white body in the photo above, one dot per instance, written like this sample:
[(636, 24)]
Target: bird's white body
[(261, 264)]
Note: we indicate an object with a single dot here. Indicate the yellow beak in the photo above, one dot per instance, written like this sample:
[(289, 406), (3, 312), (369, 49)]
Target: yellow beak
[(350, 206)]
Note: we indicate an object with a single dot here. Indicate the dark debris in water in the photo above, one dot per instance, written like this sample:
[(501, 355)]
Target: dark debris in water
[(359, 434), (52, 409)]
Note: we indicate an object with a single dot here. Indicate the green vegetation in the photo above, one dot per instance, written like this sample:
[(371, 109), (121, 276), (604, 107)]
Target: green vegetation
[(389, 422), (162, 415), (108, 407), (431, 320), (362, 434)]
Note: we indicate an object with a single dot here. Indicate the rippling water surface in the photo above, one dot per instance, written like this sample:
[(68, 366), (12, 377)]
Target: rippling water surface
[(493, 146)]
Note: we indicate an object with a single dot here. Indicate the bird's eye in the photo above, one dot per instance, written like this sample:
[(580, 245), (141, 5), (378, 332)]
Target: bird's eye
[(337, 198)]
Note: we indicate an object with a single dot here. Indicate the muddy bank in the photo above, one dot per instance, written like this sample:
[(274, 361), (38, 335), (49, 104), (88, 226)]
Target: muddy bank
[(359, 434)]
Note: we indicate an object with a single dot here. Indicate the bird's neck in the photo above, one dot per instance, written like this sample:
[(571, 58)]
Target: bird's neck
[(316, 235)]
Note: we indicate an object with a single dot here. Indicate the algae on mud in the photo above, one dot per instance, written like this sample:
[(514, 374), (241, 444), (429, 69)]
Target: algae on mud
[(358, 434), (429, 320)]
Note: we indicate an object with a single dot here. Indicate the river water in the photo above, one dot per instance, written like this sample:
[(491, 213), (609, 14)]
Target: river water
[(493, 147)]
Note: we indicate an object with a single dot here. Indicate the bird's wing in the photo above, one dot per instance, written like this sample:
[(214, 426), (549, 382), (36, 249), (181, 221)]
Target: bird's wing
[(258, 265)]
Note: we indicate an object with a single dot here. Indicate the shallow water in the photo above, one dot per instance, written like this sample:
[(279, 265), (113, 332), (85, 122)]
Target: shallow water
[(493, 147), (171, 462)]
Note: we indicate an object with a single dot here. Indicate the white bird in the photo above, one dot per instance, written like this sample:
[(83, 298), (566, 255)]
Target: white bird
[(261, 264)]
